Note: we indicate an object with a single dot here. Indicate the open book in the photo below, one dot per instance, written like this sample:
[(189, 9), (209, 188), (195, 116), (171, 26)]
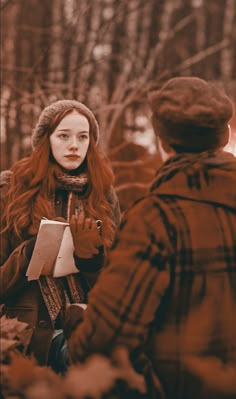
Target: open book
[(53, 251)]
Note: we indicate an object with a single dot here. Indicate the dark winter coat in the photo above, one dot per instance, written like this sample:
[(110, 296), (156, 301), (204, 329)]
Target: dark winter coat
[(169, 291), (23, 299)]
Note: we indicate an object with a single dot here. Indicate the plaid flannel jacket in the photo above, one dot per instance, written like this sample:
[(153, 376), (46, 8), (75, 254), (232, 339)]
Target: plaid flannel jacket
[(169, 289)]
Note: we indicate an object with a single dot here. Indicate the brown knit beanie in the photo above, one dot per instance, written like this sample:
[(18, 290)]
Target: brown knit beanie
[(59, 106), (191, 114)]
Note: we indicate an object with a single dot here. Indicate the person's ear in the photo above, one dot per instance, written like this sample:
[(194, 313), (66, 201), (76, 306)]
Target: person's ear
[(165, 150)]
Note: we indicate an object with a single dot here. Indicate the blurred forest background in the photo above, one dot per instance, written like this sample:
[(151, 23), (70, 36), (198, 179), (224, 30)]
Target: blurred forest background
[(109, 54)]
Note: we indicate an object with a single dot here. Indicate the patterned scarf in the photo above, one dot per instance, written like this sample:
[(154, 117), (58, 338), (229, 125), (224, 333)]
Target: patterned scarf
[(55, 294)]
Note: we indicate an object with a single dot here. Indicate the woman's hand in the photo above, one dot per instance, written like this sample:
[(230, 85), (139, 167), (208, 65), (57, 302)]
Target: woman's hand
[(86, 236)]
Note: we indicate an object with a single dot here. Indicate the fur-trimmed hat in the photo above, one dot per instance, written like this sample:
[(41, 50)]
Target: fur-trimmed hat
[(53, 109), (191, 114)]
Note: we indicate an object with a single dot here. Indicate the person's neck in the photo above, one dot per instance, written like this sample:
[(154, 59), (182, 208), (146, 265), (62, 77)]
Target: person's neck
[(74, 172)]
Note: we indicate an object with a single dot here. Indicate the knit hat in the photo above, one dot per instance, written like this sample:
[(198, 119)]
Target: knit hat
[(59, 106), (191, 114)]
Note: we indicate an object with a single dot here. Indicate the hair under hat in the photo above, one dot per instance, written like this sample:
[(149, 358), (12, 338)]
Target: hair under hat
[(53, 109), (191, 114)]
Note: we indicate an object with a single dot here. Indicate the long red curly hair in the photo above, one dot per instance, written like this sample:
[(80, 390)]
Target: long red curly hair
[(33, 186)]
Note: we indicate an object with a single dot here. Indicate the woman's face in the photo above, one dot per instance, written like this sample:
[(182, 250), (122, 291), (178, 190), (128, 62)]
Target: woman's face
[(70, 140)]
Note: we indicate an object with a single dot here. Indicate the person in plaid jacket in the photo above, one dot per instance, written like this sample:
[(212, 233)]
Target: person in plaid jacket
[(168, 293)]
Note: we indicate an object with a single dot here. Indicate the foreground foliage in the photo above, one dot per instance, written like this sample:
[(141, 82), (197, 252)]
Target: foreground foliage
[(98, 378)]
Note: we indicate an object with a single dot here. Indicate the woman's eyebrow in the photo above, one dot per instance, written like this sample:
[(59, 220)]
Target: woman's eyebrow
[(69, 130)]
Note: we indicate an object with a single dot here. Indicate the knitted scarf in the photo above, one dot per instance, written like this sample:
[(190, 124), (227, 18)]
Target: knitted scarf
[(77, 184)]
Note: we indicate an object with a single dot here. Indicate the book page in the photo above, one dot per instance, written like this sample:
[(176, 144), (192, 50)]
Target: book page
[(65, 263), (46, 248)]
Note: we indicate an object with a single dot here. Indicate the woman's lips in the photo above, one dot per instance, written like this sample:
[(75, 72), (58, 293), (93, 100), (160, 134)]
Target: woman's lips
[(72, 157)]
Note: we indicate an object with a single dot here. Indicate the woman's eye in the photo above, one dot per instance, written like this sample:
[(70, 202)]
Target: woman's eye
[(63, 136), (83, 137)]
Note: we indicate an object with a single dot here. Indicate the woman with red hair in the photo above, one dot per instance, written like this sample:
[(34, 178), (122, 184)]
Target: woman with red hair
[(66, 176)]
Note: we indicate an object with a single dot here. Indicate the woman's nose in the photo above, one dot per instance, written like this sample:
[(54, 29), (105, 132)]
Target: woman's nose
[(73, 142)]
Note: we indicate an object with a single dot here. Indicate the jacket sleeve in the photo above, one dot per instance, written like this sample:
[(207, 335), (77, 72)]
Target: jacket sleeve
[(124, 301), (13, 269), (90, 267)]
